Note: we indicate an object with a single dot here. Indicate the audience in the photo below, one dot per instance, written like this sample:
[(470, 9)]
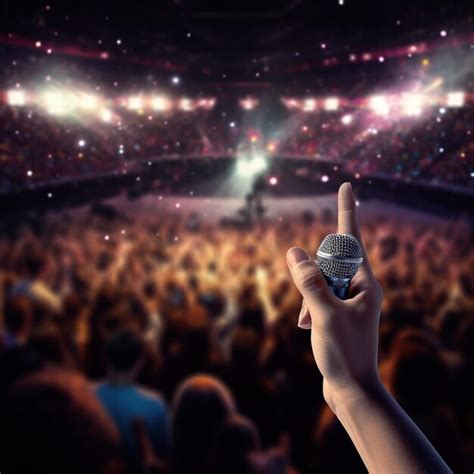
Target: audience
[(146, 309)]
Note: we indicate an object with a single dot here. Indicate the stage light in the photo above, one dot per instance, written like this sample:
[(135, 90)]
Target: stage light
[(59, 103), (135, 102), (106, 115), (16, 98), (249, 103), (455, 99), (273, 181), (207, 104), (88, 102), (346, 119), (160, 103), (251, 166), (412, 104), (379, 105), (331, 103), (309, 105), (186, 104), (253, 138), (271, 147), (291, 103)]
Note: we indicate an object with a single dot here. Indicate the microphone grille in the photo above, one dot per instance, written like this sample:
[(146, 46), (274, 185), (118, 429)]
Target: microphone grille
[(339, 256)]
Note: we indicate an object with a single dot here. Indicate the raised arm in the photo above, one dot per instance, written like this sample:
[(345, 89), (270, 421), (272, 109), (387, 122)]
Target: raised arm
[(344, 337)]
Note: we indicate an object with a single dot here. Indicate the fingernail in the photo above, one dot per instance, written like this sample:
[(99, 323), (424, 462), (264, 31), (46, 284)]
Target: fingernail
[(295, 255)]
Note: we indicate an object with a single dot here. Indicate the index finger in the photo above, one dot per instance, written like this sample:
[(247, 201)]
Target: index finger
[(347, 218)]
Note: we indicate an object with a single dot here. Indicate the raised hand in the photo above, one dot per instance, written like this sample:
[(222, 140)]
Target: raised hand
[(344, 338), (344, 334)]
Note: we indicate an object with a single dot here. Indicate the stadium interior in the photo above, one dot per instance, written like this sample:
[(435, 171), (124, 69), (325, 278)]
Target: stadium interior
[(156, 163)]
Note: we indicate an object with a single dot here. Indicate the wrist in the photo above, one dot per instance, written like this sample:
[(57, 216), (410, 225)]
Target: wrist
[(353, 393)]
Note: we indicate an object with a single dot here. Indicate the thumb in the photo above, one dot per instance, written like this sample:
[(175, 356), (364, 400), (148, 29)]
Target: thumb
[(309, 280)]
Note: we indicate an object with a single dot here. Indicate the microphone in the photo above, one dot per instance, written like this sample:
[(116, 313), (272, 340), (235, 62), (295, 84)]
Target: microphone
[(338, 258)]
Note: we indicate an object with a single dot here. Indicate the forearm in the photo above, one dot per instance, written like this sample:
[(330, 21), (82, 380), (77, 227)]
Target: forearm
[(384, 435)]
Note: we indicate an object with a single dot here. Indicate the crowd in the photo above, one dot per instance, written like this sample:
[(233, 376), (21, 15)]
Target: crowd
[(435, 148), (169, 343), (36, 148)]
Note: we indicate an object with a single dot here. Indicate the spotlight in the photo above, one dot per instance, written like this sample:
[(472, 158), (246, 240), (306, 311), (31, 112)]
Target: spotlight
[(186, 105), (291, 103), (16, 98), (455, 99), (331, 103), (379, 105), (253, 138), (160, 103), (249, 103), (412, 104), (251, 166), (207, 104), (271, 147), (106, 115), (88, 102), (346, 119), (59, 103), (309, 105), (135, 102)]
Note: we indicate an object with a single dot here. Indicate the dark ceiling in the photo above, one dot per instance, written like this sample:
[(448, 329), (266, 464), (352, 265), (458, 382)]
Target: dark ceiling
[(210, 39)]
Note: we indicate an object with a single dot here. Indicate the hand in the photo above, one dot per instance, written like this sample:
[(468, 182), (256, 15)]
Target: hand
[(344, 334)]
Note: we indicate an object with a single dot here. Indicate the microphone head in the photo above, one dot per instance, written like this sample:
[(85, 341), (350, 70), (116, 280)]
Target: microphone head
[(339, 256)]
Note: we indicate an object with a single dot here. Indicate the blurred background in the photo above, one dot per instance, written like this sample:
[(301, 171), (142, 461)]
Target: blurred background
[(157, 161)]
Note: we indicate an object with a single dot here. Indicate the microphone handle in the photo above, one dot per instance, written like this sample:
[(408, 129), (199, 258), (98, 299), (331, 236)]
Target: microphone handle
[(339, 286)]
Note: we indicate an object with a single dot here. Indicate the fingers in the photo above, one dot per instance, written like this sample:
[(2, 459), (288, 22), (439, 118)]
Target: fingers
[(304, 319), (346, 211), (347, 219), (309, 280)]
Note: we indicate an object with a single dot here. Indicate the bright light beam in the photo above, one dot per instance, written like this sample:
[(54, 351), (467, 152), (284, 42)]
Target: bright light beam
[(160, 103), (135, 102), (248, 167), (379, 105), (59, 103), (412, 104), (16, 98), (331, 104), (309, 105), (455, 99)]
